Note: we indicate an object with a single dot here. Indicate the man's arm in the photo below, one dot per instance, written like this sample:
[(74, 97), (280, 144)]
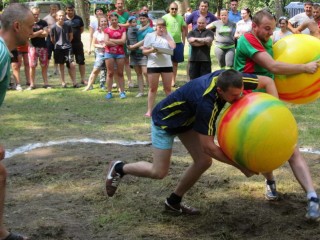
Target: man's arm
[(268, 84), (266, 61), (210, 148)]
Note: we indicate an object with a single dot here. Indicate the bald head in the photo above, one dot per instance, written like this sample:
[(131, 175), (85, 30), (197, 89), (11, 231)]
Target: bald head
[(201, 23)]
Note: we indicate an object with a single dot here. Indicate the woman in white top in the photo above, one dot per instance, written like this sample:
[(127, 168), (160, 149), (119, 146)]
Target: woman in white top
[(99, 48), (245, 24), (283, 31), (158, 62)]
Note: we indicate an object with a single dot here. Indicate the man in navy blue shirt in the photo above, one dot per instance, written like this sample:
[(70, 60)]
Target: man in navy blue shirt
[(189, 113)]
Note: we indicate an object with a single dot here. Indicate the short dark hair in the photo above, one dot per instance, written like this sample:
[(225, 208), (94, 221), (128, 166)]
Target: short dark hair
[(257, 18), (98, 8), (69, 5), (204, 1), (229, 78)]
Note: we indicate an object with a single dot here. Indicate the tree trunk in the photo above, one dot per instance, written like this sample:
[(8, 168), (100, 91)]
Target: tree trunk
[(82, 9), (279, 8)]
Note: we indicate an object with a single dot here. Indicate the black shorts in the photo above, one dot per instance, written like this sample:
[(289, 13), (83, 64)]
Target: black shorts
[(78, 53), (160, 70), (62, 56), (15, 54)]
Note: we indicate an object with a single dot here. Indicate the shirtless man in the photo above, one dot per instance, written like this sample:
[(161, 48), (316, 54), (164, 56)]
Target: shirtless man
[(312, 25)]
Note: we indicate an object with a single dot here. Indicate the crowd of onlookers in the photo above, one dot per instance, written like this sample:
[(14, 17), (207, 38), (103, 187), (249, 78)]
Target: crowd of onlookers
[(122, 40)]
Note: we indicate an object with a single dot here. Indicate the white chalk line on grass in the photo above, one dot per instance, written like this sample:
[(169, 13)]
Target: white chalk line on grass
[(29, 147)]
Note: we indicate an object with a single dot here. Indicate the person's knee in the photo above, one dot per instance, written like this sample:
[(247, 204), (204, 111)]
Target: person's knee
[(159, 173)]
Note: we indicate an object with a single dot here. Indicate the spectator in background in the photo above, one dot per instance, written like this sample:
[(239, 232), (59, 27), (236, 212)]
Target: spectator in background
[(298, 19), (16, 28), (202, 11), (61, 36), (234, 15), (145, 10), (99, 44), (224, 37), (186, 15), (93, 27), (94, 24), (312, 25), (123, 16), (115, 39), (244, 25), (159, 64), (137, 59), (19, 55), (201, 40), (193, 18), (177, 27), (38, 49), (51, 21), (283, 31), (77, 25)]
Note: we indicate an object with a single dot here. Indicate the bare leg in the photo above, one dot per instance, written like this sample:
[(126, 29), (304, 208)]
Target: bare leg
[(120, 64), (175, 70), (72, 73), (82, 69), (110, 72), (153, 88), (158, 169), (166, 81), (201, 162)]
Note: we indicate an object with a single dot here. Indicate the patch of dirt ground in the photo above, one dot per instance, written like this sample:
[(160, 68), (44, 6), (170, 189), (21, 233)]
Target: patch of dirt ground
[(58, 193)]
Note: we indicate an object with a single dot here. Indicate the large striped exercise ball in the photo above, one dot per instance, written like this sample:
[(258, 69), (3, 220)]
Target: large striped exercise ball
[(298, 88), (258, 132)]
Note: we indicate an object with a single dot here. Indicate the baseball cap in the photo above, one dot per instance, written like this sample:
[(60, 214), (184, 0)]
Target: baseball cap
[(131, 18)]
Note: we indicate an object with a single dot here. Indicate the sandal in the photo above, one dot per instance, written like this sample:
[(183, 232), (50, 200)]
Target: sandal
[(76, 85), (64, 85), (15, 236)]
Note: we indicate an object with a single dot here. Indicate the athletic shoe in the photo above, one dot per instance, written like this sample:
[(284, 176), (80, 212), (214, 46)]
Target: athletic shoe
[(112, 179), (18, 87), (181, 208), (139, 95), (313, 213), (123, 95), (31, 88), (271, 191), (109, 95), (131, 85)]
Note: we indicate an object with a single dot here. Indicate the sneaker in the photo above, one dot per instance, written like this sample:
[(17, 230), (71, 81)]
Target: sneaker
[(31, 88), (112, 179), (139, 95), (131, 85), (123, 95), (181, 208), (18, 87), (271, 192), (313, 213), (109, 95)]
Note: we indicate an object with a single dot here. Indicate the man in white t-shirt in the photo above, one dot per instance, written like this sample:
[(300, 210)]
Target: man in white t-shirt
[(298, 19)]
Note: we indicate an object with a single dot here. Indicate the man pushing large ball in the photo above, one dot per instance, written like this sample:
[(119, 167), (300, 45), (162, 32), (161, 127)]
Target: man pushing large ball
[(258, 132)]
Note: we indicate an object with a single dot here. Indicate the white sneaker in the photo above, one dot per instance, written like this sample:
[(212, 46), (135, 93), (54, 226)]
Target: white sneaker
[(139, 95), (19, 88)]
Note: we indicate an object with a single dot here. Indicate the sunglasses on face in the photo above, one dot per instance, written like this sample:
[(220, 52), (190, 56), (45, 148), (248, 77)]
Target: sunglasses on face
[(174, 8)]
